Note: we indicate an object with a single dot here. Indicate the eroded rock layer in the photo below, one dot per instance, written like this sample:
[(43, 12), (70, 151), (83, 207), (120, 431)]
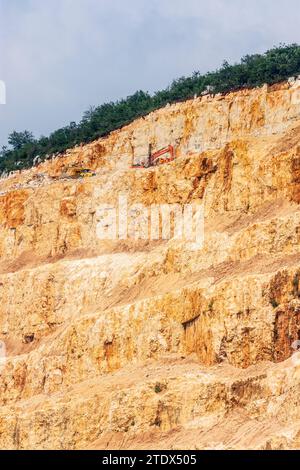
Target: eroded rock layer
[(138, 343)]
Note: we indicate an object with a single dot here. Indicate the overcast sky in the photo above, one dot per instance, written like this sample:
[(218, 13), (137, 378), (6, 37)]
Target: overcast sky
[(58, 57)]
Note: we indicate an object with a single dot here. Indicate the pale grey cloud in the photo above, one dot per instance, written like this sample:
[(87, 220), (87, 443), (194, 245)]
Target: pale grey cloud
[(60, 56)]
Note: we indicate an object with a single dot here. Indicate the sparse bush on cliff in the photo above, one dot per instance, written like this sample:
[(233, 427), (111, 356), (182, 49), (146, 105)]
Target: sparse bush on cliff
[(275, 65)]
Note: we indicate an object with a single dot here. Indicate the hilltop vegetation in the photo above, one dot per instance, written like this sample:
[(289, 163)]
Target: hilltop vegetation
[(275, 65)]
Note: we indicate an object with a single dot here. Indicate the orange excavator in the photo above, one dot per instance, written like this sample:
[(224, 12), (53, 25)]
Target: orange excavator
[(164, 155)]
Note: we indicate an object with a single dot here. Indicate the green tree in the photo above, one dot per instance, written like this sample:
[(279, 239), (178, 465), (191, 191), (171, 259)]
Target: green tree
[(18, 139)]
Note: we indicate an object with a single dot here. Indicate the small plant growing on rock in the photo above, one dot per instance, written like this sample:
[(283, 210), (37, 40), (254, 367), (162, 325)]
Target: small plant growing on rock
[(274, 303)]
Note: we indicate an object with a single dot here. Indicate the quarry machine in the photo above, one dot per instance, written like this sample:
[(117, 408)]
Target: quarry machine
[(164, 155), (74, 171), (83, 173)]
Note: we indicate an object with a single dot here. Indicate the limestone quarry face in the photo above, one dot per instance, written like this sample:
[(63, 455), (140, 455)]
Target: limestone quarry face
[(140, 343)]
